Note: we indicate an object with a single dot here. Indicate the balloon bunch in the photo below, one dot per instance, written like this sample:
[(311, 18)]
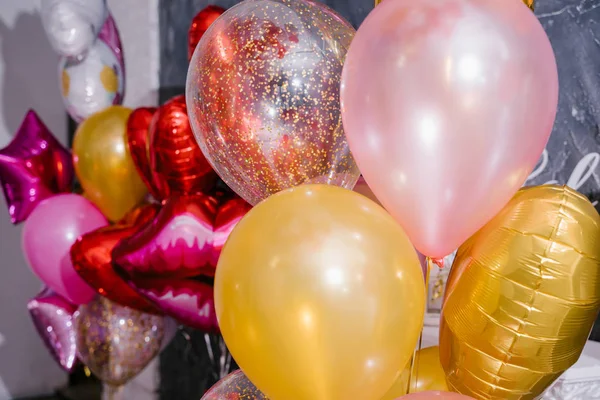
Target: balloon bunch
[(445, 128), (114, 260), (91, 67)]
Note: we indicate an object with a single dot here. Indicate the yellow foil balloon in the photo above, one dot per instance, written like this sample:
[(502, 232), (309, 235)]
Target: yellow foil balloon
[(522, 296), (103, 164), (429, 375), (320, 296)]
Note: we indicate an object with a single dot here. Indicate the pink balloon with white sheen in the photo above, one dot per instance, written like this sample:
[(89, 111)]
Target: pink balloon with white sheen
[(48, 234), (447, 106)]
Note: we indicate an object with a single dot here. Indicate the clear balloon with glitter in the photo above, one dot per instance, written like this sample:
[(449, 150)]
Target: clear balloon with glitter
[(235, 386), (263, 94)]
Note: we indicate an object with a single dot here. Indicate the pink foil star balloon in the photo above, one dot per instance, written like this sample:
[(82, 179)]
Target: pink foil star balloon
[(33, 167), (52, 316)]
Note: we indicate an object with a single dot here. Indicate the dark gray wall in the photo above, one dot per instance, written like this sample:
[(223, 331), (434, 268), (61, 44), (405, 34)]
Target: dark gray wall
[(572, 154)]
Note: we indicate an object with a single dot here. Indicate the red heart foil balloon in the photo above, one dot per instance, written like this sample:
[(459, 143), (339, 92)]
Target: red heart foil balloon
[(178, 165), (200, 24), (92, 259), (188, 301), (52, 316), (178, 242), (138, 137), (167, 156), (33, 167)]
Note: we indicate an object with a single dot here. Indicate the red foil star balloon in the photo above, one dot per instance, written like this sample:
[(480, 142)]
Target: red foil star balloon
[(33, 167), (169, 157), (200, 24), (92, 259)]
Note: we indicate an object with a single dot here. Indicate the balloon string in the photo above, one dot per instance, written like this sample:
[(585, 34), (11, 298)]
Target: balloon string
[(414, 362), (225, 359)]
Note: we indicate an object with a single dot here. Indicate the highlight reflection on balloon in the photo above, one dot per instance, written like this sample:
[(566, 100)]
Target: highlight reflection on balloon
[(522, 296), (319, 279), (263, 97), (104, 165), (420, 96)]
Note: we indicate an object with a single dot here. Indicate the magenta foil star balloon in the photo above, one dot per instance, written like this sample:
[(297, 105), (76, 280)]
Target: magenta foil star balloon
[(33, 167), (52, 316)]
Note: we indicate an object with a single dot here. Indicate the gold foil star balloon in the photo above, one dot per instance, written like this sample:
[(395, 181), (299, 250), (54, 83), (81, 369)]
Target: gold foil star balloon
[(522, 296), (263, 96)]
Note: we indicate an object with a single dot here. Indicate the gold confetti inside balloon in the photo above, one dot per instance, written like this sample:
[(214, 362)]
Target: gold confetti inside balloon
[(263, 94), (115, 342), (428, 375), (522, 296), (235, 386)]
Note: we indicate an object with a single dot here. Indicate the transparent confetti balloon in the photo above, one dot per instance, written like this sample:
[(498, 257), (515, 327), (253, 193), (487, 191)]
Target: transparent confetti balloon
[(263, 97), (235, 386)]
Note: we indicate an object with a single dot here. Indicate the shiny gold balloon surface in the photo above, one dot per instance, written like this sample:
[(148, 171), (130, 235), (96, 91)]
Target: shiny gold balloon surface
[(429, 375), (320, 296), (103, 164), (116, 343), (522, 296)]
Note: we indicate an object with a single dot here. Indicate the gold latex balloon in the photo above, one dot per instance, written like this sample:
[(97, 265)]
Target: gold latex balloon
[(429, 375), (104, 165), (522, 296), (320, 295)]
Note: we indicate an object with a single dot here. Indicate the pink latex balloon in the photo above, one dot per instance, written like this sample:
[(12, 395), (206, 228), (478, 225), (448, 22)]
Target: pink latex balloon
[(447, 106), (435, 396), (48, 234)]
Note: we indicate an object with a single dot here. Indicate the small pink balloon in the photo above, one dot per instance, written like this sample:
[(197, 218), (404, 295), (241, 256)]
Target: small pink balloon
[(48, 234), (435, 396), (447, 106)]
